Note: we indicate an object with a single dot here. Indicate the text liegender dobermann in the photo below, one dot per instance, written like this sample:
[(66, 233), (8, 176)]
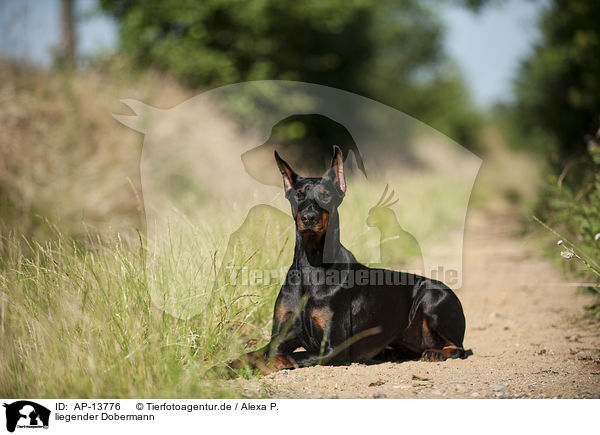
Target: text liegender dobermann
[(340, 311)]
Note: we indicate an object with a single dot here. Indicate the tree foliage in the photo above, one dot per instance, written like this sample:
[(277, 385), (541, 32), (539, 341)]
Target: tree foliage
[(390, 50), (558, 88)]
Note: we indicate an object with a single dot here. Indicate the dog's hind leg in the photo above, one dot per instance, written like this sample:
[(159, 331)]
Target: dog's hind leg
[(435, 332), (416, 338), (444, 323)]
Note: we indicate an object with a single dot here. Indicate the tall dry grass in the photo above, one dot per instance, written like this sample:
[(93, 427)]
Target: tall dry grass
[(77, 315), (76, 319), (62, 155)]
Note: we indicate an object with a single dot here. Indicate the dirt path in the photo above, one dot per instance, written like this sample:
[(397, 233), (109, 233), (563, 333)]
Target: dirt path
[(520, 326)]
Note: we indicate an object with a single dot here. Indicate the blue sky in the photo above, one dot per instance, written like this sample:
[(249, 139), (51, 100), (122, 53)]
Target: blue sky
[(487, 46)]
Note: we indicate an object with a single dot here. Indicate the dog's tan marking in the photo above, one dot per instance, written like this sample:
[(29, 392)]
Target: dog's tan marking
[(318, 229), (283, 313), (448, 349), (428, 340), (282, 362), (320, 317), (324, 220)]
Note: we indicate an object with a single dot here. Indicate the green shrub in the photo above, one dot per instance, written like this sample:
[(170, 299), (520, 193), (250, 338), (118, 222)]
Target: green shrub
[(570, 206)]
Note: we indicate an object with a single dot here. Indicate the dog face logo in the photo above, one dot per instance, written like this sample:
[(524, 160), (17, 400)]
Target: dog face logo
[(26, 414)]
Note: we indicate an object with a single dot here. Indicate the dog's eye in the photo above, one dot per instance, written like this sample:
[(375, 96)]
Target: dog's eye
[(324, 195), (299, 195)]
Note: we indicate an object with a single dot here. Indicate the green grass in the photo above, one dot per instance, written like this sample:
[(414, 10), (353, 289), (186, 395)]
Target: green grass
[(81, 323), (117, 318), (570, 209)]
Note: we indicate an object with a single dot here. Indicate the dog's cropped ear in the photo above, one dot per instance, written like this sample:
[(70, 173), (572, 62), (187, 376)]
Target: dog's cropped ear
[(289, 176), (336, 172)]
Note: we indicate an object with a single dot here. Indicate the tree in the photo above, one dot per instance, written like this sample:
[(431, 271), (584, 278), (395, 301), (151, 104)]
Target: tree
[(558, 87), (390, 50), (67, 43)]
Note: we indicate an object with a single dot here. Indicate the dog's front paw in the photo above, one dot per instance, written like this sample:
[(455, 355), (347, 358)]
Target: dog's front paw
[(283, 362), (278, 362), (258, 361), (433, 355)]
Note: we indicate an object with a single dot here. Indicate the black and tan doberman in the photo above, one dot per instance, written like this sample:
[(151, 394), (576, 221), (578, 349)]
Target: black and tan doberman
[(340, 311)]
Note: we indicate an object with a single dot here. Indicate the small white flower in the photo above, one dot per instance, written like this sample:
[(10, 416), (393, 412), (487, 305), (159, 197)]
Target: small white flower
[(559, 242), (567, 254), (597, 236)]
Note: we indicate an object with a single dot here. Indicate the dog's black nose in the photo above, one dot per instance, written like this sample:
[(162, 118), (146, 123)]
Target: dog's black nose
[(309, 218)]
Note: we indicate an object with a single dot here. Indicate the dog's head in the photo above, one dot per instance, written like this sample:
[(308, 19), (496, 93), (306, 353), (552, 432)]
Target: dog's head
[(313, 200)]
